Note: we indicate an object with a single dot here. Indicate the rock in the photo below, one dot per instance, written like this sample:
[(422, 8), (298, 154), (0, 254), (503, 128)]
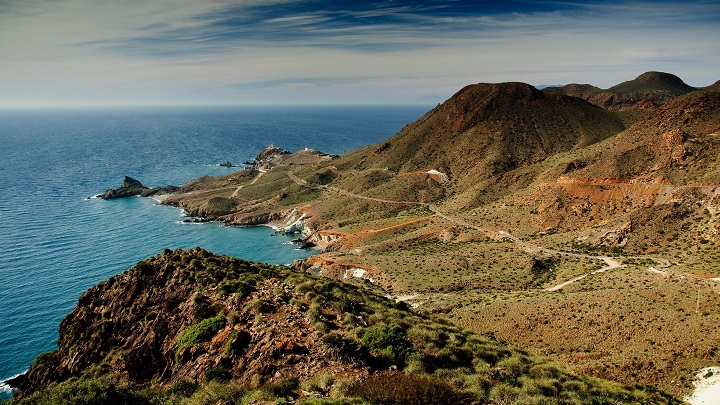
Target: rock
[(129, 187), (160, 190)]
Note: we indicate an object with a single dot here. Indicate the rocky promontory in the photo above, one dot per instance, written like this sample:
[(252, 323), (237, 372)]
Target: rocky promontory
[(131, 187), (189, 323)]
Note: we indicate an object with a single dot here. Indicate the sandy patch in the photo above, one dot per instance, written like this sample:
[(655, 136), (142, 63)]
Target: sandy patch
[(707, 387)]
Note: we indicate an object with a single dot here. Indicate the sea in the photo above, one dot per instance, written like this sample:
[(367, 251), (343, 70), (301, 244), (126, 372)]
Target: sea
[(57, 239)]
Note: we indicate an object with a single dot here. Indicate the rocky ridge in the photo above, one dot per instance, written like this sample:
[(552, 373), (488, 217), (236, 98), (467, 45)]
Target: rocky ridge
[(648, 90), (186, 321)]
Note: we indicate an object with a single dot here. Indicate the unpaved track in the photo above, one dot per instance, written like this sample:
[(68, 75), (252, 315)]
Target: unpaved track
[(237, 190), (611, 262)]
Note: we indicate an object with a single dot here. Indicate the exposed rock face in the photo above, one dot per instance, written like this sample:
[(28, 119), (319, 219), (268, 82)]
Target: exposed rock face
[(270, 152), (269, 157)]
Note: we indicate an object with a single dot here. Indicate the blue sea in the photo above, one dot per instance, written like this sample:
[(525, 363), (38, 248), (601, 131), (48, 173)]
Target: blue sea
[(56, 243)]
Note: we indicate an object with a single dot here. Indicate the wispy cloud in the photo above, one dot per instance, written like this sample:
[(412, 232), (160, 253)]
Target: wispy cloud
[(225, 51)]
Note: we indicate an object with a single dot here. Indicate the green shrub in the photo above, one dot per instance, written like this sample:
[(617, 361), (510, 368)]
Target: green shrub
[(218, 373), (183, 388), (215, 392), (43, 358), (282, 387), (388, 342), (321, 382), (84, 392), (259, 306), (314, 313), (201, 332), (400, 388), (342, 346)]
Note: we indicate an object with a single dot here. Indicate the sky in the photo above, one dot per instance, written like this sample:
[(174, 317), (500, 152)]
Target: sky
[(224, 52)]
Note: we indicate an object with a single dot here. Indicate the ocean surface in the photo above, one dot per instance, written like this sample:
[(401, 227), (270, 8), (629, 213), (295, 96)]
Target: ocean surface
[(55, 243)]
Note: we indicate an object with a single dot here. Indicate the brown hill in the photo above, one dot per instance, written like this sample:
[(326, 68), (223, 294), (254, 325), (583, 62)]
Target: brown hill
[(485, 131), (676, 143), (648, 89), (653, 82), (548, 168)]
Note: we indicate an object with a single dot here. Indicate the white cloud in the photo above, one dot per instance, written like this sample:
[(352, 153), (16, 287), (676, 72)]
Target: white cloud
[(180, 52)]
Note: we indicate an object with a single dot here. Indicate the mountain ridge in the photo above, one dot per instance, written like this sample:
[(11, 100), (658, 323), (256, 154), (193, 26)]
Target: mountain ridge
[(649, 88)]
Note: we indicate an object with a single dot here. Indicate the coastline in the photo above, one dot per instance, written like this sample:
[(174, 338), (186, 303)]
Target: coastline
[(6, 390)]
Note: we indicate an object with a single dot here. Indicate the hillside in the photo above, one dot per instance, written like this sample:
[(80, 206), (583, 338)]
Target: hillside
[(648, 89), (485, 131), (506, 201), (221, 330)]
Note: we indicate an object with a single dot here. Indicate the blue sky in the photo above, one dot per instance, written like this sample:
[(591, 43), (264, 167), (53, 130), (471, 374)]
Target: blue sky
[(187, 52)]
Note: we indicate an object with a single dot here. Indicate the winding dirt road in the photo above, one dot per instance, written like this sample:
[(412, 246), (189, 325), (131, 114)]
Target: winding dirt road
[(611, 262), (237, 190)]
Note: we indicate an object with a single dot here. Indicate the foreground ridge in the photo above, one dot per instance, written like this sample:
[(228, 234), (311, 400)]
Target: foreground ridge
[(194, 324)]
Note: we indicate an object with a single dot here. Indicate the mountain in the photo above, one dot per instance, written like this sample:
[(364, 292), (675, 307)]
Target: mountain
[(188, 323), (653, 82), (571, 229), (655, 88), (483, 132)]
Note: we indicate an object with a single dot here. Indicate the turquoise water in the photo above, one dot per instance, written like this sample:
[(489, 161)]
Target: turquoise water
[(55, 243)]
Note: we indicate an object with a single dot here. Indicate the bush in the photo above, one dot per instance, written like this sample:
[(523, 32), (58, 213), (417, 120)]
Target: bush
[(218, 373), (215, 392), (342, 346), (399, 388), (259, 306), (183, 388), (314, 313), (283, 386), (201, 332), (84, 392), (388, 342), (319, 383)]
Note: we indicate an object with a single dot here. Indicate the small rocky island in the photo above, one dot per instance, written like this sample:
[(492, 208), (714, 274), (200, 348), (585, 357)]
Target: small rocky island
[(131, 187)]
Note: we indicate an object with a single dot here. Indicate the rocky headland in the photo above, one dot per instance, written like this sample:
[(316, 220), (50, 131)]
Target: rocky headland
[(191, 324)]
